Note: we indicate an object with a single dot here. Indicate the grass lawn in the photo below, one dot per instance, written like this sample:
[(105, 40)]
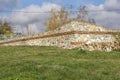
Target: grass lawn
[(51, 63)]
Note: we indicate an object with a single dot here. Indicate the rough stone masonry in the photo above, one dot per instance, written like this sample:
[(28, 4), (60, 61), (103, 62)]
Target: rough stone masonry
[(75, 34)]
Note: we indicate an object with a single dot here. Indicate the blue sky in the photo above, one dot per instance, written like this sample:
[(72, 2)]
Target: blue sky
[(20, 4), (25, 3), (103, 17)]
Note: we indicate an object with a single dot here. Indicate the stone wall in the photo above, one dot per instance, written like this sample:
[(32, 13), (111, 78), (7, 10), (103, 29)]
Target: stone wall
[(89, 42), (73, 35)]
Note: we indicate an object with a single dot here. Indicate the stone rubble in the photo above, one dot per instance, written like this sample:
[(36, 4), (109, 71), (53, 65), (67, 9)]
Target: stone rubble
[(101, 42)]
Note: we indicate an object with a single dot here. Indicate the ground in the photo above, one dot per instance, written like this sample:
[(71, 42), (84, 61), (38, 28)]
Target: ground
[(51, 63)]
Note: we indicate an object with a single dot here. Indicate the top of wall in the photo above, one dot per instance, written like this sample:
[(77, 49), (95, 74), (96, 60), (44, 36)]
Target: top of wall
[(77, 26), (81, 26)]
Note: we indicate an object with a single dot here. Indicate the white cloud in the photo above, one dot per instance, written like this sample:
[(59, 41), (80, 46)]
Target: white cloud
[(34, 18), (34, 14), (112, 4), (106, 14)]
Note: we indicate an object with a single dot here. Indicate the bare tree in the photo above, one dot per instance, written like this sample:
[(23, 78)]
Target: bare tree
[(57, 18), (82, 12), (91, 20)]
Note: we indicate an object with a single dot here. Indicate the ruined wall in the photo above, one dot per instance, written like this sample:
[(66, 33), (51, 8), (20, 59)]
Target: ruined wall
[(90, 42), (73, 35)]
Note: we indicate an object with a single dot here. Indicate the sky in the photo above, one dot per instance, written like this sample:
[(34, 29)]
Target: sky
[(105, 12)]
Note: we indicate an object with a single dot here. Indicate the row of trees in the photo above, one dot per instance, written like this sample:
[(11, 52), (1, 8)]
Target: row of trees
[(5, 28), (63, 16)]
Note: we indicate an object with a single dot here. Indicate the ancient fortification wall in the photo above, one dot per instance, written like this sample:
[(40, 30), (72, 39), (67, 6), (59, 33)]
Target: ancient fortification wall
[(73, 35)]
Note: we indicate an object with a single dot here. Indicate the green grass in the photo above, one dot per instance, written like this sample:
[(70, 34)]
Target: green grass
[(50, 63)]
